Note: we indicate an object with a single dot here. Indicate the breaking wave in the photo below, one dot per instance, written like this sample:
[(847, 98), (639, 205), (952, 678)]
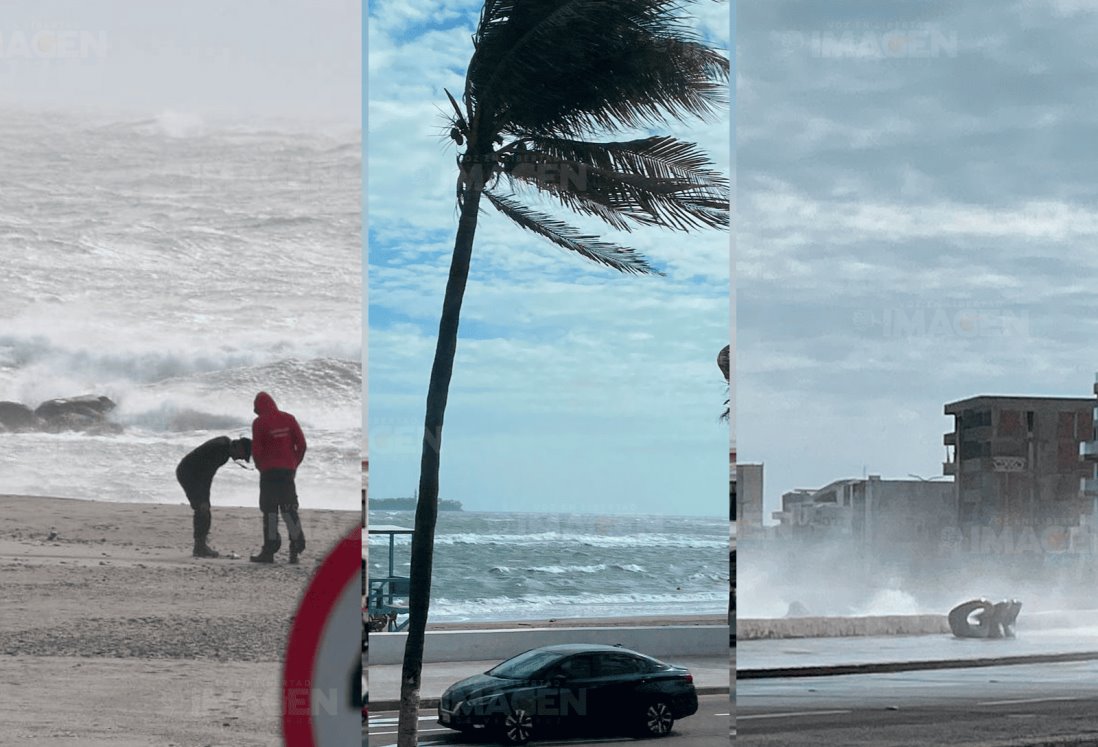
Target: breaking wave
[(562, 569), (583, 540), (177, 420), (580, 604)]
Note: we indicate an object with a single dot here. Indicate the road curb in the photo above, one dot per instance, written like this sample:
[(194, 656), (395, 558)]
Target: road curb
[(912, 666), (426, 703)]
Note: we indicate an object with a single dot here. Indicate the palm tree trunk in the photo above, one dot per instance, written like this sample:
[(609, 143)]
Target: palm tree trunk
[(423, 538)]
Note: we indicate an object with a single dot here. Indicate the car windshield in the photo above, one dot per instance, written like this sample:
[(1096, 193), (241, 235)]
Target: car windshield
[(524, 665)]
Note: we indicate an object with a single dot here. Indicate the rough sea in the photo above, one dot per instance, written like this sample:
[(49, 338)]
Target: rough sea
[(178, 267), (524, 566)]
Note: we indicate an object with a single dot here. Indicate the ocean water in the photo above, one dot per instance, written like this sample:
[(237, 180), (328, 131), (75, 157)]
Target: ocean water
[(521, 566), (179, 267)]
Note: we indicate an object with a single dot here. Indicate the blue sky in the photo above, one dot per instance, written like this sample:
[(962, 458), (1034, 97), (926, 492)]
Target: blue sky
[(917, 226), (575, 388)]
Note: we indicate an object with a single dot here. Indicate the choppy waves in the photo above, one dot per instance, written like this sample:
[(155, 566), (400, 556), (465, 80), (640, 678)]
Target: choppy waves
[(557, 539), (492, 566), (178, 266), (567, 569), (622, 604)]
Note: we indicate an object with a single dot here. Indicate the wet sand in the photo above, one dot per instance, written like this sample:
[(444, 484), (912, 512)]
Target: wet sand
[(112, 634)]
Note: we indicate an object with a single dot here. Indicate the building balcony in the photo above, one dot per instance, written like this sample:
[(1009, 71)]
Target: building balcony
[(950, 439), (949, 468), (1088, 486), (1089, 450), (976, 433)]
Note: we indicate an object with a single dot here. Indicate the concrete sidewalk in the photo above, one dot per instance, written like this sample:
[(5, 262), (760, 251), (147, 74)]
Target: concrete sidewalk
[(711, 677), (872, 650)]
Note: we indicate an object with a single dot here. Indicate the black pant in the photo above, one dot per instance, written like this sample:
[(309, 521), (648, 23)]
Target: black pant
[(278, 495), (197, 490)]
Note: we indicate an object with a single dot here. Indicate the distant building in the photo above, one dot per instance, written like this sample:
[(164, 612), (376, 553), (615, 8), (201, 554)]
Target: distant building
[(792, 514), (881, 518), (1015, 461), (1088, 486), (749, 499)]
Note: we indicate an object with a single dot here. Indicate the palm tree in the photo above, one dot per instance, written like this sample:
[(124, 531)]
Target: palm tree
[(545, 78)]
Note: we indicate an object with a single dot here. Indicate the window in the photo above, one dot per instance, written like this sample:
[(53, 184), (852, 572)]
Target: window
[(1065, 430), (617, 664), (524, 665), (576, 668), (1010, 423)]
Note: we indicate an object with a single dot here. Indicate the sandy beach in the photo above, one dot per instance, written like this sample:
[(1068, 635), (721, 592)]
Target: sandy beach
[(112, 634)]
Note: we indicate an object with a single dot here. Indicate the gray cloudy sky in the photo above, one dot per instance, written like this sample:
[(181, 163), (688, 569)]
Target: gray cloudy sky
[(916, 185), (250, 60)]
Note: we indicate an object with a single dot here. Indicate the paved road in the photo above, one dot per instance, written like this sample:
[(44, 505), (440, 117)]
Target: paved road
[(1046, 705), (710, 673), (708, 727)]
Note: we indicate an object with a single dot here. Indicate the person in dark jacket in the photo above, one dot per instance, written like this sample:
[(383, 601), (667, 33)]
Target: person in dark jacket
[(278, 446), (196, 473)]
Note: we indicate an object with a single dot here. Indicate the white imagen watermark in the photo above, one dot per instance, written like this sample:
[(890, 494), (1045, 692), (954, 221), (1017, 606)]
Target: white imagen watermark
[(944, 321), (870, 41), (53, 44)]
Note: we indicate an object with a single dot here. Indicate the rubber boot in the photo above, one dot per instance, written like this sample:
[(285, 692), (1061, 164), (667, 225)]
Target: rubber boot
[(297, 535), (201, 531), (272, 541), (205, 551)]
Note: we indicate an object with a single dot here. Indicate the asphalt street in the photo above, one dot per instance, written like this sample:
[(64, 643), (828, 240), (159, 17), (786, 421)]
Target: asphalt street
[(1010, 706), (706, 728)]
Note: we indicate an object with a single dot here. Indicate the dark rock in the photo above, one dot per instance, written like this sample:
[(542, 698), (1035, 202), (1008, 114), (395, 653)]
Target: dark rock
[(17, 417), (87, 406), (86, 413)]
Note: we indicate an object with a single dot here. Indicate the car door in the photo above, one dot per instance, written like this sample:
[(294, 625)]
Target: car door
[(567, 699), (619, 687)]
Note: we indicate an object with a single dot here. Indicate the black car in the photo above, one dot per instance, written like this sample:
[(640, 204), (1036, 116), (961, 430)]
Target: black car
[(581, 686)]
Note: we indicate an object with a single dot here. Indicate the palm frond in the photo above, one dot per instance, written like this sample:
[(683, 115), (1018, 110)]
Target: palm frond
[(659, 157), (620, 258), (459, 117), (568, 67), (724, 363), (674, 192)]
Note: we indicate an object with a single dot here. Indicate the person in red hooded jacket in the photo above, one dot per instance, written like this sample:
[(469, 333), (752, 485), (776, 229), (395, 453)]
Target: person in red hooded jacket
[(278, 446)]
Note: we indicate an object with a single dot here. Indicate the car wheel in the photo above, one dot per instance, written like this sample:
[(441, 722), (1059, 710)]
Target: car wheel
[(517, 727), (657, 720)]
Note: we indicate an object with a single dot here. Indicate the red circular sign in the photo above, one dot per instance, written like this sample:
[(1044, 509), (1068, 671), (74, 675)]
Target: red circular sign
[(312, 635)]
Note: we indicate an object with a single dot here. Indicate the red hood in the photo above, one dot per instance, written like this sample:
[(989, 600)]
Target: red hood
[(265, 404)]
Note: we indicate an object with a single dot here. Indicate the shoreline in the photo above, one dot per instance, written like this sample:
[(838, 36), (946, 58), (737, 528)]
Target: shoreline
[(180, 502)]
